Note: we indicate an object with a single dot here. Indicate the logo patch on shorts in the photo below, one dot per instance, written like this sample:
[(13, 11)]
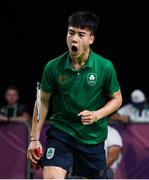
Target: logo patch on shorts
[(50, 153), (91, 79), (101, 172)]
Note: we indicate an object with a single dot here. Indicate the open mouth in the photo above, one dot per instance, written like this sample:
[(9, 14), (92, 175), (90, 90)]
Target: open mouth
[(74, 48)]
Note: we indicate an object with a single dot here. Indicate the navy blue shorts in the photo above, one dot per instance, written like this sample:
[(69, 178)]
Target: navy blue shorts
[(83, 160)]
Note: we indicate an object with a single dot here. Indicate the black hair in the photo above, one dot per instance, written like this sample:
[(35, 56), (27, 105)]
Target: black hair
[(84, 20)]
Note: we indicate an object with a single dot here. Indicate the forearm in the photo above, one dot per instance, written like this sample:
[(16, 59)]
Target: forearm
[(34, 123), (44, 107), (118, 117), (3, 118), (112, 155), (23, 118), (124, 119), (43, 113), (109, 108), (110, 160), (88, 117)]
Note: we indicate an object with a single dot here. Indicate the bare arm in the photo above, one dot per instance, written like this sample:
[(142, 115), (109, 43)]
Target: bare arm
[(23, 118), (44, 107), (111, 106), (112, 155), (118, 117), (88, 117), (3, 118)]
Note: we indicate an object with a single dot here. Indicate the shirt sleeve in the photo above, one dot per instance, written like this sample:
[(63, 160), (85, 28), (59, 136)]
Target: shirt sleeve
[(114, 138), (48, 78), (111, 82)]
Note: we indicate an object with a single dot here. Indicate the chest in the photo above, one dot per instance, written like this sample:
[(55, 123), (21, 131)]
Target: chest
[(86, 79)]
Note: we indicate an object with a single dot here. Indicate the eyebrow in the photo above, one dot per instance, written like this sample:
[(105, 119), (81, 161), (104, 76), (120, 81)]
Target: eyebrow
[(80, 32)]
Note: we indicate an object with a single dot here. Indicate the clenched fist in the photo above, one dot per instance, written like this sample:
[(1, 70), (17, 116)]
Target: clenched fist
[(88, 117)]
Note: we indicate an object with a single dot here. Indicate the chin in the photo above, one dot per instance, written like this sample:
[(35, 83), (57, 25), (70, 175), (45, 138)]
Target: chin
[(75, 54)]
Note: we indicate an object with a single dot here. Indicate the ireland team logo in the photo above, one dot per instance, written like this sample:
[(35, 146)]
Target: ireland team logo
[(50, 153), (91, 79)]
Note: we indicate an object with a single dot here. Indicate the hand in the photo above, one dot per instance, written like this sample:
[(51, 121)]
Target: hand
[(88, 117), (34, 151)]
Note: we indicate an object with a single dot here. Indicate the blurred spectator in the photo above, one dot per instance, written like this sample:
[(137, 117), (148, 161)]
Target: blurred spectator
[(13, 110), (113, 148), (137, 111)]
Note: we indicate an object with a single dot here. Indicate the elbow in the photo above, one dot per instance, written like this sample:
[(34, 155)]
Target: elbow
[(119, 100)]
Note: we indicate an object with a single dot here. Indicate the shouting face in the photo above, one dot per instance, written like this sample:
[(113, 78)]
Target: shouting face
[(78, 41)]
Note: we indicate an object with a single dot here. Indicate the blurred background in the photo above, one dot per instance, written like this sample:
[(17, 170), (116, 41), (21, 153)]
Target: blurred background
[(34, 32)]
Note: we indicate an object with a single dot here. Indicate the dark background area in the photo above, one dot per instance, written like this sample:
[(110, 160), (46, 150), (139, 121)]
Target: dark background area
[(31, 33)]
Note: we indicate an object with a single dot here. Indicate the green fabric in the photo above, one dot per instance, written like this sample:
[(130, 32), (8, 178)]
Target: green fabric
[(74, 91)]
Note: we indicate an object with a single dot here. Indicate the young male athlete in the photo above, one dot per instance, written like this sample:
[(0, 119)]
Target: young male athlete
[(84, 90)]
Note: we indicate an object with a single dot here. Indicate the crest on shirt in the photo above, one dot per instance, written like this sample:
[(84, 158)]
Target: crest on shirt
[(50, 153), (62, 78), (92, 79)]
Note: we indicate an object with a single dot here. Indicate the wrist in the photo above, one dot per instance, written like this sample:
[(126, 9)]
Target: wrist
[(95, 116), (34, 139)]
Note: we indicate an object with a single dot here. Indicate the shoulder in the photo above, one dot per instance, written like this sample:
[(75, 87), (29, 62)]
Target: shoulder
[(57, 61), (101, 60)]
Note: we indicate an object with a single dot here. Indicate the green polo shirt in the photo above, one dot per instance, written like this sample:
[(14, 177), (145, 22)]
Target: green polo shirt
[(76, 90)]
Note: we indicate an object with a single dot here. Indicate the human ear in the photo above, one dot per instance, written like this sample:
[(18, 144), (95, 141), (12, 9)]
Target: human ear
[(92, 38)]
